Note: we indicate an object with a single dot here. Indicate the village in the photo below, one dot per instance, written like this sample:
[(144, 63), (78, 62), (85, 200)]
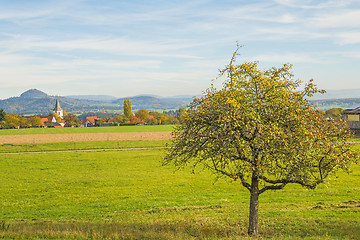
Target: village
[(59, 118)]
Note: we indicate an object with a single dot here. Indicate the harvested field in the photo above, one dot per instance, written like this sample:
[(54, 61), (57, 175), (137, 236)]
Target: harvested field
[(81, 137)]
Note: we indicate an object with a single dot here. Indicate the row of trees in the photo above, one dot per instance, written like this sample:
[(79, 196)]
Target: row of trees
[(152, 117), (142, 116), (13, 120)]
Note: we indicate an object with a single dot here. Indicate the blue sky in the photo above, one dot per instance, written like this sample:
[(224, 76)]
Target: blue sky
[(126, 48)]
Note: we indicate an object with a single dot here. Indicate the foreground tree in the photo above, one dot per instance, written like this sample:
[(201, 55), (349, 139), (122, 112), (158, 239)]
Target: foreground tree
[(260, 129)]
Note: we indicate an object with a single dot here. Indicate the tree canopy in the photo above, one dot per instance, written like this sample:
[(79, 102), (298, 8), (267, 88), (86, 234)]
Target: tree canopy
[(261, 130), (2, 114), (333, 113), (71, 120), (127, 108), (142, 114)]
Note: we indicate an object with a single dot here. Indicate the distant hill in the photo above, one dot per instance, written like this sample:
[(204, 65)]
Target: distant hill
[(151, 102), (36, 102), (45, 105), (345, 103), (33, 93)]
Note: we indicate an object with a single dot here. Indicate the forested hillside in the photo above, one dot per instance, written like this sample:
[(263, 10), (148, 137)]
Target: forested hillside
[(35, 102)]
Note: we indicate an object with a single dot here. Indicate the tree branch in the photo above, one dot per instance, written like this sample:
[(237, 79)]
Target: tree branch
[(273, 187), (283, 182)]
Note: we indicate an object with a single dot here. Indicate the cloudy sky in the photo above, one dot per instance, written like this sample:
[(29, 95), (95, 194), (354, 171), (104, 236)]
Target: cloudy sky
[(126, 48)]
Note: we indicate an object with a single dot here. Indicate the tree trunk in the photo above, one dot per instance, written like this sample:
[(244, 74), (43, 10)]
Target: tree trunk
[(254, 206)]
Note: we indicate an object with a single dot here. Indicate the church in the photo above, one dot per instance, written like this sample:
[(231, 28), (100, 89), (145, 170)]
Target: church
[(58, 110), (50, 121)]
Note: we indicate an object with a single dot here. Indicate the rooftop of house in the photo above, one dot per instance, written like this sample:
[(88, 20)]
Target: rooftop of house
[(350, 111), (90, 119)]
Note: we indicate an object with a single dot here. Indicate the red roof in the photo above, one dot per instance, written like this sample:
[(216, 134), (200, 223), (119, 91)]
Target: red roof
[(44, 119), (89, 120)]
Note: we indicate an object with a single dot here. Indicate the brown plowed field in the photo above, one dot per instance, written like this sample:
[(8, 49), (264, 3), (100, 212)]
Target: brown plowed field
[(83, 137)]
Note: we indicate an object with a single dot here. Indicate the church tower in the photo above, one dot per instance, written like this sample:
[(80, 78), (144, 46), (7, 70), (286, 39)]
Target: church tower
[(58, 110)]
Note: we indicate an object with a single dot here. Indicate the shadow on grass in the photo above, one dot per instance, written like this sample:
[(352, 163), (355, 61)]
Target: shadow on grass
[(182, 229)]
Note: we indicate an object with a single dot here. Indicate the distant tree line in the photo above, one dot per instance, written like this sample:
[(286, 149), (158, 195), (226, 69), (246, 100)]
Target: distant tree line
[(141, 116), (13, 120)]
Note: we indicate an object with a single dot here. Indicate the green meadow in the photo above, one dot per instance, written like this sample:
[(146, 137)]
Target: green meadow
[(143, 128), (129, 195), (89, 145)]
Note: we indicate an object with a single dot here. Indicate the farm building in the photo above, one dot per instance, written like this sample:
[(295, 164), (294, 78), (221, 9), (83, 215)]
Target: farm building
[(50, 121), (89, 121), (353, 117)]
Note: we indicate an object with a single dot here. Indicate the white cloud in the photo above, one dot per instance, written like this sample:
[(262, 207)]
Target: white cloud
[(167, 48), (167, 43), (337, 19), (314, 4), (348, 37), (20, 13), (264, 12), (352, 54)]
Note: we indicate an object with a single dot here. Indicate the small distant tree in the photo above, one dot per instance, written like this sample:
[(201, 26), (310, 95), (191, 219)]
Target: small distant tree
[(261, 130), (152, 120), (48, 124), (35, 121), (11, 120), (27, 122), (119, 119), (127, 108), (142, 114), (173, 120), (333, 113), (2, 114), (24, 122), (160, 118), (181, 114), (71, 120), (135, 120)]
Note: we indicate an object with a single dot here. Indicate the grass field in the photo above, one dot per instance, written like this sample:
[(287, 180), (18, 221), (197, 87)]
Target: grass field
[(65, 146), (127, 194), (103, 194), (143, 128)]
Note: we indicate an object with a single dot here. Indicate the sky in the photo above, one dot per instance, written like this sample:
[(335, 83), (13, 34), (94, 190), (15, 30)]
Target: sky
[(167, 48)]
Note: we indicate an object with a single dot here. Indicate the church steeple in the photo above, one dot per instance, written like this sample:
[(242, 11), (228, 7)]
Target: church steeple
[(58, 110)]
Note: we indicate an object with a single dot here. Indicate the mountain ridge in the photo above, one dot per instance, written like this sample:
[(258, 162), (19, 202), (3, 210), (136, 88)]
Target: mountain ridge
[(36, 102)]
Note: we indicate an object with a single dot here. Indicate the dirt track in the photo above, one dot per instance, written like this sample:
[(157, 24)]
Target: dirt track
[(82, 137)]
